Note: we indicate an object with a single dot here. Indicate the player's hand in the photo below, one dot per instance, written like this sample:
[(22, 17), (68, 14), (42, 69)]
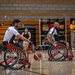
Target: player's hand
[(28, 40), (54, 44)]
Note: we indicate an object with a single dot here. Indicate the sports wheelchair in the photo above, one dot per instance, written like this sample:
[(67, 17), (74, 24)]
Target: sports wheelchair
[(58, 51), (14, 56)]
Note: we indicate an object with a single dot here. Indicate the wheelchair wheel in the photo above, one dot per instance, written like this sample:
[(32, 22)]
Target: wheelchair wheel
[(15, 58), (58, 52), (1, 47)]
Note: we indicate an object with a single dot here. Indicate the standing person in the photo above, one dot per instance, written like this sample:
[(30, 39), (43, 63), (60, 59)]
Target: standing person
[(11, 32), (72, 29), (27, 35)]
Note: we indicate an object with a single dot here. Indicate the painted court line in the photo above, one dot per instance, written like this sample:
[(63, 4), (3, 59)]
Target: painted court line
[(34, 72)]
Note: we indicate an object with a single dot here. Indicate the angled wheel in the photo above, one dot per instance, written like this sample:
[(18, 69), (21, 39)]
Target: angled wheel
[(15, 58), (58, 52)]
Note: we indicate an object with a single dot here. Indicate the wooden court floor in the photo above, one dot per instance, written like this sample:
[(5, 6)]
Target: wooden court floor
[(44, 67)]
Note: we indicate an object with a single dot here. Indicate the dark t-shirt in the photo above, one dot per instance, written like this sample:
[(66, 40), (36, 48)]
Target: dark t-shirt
[(26, 35)]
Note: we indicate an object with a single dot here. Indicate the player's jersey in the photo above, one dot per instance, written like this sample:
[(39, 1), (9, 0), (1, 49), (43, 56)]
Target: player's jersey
[(54, 34), (10, 34)]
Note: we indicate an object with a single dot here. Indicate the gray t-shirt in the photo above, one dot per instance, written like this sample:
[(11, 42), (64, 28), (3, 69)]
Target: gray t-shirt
[(53, 32), (10, 32)]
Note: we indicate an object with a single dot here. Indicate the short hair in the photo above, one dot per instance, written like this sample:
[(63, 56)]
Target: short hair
[(16, 21), (56, 23)]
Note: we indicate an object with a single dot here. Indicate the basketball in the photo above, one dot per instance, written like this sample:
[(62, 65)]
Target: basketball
[(37, 56), (61, 26)]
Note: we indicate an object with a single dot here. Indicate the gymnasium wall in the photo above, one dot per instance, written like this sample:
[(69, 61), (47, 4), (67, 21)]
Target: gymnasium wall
[(39, 1), (28, 24), (35, 9), (30, 11)]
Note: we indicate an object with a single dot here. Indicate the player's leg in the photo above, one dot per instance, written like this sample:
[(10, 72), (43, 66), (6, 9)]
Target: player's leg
[(25, 45), (32, 45)]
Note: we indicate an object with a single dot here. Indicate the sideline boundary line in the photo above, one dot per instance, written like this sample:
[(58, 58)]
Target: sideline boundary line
[(35, 72)]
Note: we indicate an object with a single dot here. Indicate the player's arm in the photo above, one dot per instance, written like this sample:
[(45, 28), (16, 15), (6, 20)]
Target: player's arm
[(29, 35), (22, 37), (49, 37), (18, 35)]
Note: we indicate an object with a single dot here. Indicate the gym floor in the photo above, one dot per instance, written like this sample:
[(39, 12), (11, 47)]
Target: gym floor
[(44, 67)]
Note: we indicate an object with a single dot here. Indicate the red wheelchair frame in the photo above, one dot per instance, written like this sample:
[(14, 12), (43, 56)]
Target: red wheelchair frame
[(28, 63), (10, 48), (70, 53), (53, 51), (2, 51)]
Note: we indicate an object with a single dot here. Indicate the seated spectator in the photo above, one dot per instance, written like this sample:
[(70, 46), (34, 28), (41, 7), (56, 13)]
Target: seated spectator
[(26, 44)]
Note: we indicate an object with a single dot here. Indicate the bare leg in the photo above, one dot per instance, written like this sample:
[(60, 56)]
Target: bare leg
[(33, 48), (25, 45)]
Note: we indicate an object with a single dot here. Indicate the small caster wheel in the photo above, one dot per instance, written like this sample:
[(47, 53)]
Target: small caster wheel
[(5, 67), (24, 66), (70, 58), (29, 66), (49, 59)]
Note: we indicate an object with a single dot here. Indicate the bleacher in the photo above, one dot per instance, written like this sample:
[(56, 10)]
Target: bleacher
[(34, 29)]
